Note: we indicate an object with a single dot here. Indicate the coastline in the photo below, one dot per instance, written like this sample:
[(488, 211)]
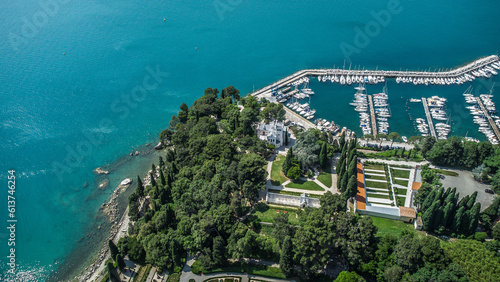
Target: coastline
[(96, 270)]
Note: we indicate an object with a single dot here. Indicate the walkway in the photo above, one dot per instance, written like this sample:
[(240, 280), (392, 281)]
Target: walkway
[(283, 187), (186, 273), (374, 170), (375, 180), (429, 118), (487, 115)]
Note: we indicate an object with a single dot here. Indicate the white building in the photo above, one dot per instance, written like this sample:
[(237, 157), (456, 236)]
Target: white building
[(273, 133)]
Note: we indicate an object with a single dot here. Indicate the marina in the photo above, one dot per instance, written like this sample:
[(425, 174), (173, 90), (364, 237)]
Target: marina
[(483, 67), (373, 110)]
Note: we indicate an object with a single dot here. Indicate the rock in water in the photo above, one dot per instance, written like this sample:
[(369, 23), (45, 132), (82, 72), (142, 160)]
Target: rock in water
[(103, 184), (100, 171), (136, 153), (85, 184), (126, 182), (159, 146)]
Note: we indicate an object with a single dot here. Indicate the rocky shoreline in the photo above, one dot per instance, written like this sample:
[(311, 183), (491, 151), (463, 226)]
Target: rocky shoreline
[(117, 231), (109, 208)]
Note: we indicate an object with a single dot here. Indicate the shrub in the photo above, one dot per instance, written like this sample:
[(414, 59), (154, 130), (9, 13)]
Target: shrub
[(480, 236)]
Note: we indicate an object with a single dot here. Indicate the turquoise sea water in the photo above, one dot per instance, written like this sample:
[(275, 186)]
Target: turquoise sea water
[(76, 72)]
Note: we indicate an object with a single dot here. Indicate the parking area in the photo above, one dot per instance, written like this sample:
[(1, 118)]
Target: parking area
[(466, 185)]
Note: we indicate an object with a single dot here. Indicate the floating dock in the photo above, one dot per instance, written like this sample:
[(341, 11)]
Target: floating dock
[(464, 72), (372, 116), (429, 118), (490, 119)]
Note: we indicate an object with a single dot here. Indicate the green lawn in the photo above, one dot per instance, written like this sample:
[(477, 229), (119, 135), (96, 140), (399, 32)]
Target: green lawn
[(305, 185), (400, 173), (446, 172), (400, 182), (277, 176), (291, 193), (400, 201), (325, 178), (377, 196), (391, 227), (374, 166), (389, 155), (400, 191), (374, 184), (261, 270), (367, 176), (174, 277), (267, 213)]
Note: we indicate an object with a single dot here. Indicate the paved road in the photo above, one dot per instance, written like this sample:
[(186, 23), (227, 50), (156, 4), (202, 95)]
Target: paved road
[(466, 185)]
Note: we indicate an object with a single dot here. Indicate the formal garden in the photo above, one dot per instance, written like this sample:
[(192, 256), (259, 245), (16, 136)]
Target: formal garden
[(378, 190)]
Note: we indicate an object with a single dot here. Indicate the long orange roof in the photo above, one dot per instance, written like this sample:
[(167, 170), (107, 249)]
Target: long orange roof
[(360, 196)]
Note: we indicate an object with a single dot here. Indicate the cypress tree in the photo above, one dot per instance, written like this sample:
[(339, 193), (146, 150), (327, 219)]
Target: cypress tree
[(113, 275), (439, 195), (286, 137), (344, 151), (121, 263), (345, 180), (161, 162), (162, 178), (341, 168), (447, 215), (342, 141), (113, 249), (437, 220), (352, 187), (474, 218), (352, 144), (463, 202), (323, 159), (409, 154), (352, 170), (153, 181), (428, 200), (471, 201), (429, 216), (448, 196), (286, 256), (153, 168), (457, 219), (140, 187), (339, 181), (287, 164)]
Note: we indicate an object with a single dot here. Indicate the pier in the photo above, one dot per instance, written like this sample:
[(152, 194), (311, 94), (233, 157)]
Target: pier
[(463, 72), (490, 119), (429, 118), (372, 115), (293, 116)]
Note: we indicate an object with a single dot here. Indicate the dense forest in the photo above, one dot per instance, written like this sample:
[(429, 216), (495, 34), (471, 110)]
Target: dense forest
[(195, 198)]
